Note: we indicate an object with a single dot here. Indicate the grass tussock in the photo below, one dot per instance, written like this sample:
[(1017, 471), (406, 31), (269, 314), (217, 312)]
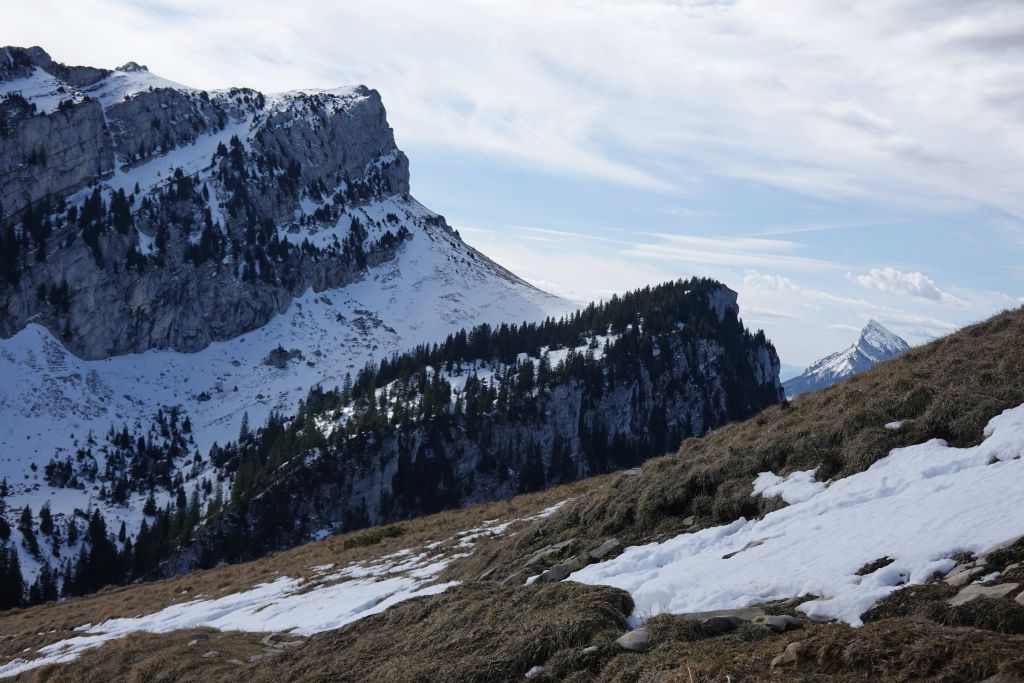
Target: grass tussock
[(472, 633), (373, 536)]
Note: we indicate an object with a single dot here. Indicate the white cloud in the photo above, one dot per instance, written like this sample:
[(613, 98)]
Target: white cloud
[(917, 284), (826, 97)]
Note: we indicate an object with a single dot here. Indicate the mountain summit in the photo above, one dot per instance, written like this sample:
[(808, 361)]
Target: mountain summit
[(874, 345)]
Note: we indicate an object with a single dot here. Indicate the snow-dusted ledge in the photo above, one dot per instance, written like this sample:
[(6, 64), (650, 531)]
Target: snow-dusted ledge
[(919, 506)]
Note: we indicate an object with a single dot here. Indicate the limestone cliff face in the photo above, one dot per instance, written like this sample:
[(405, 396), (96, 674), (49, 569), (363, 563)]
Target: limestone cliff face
[(52, 154), (220, 191)]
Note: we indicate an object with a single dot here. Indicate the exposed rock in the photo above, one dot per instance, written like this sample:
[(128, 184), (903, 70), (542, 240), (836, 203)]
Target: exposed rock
[(778, 622), (332, 139), (512, 579), (549, 552), (281, 640), (976, 590), (632, 472), (265, 655), (279, 358), (534, 671), (721, 624), (788, 656), (962, 574), (746, 613), (637, 640), (601, 551)]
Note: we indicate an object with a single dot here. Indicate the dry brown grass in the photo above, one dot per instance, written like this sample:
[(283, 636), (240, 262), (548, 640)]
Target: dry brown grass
[(486, 633), (158, 658), (45, 624)]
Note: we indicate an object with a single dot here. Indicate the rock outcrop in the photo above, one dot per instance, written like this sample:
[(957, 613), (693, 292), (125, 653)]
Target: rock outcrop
[(148, 215)]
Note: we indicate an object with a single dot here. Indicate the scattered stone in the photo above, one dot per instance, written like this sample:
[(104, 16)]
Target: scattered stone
[(549, 551), (637, 640), (535, 671), (721, 624), (512, 579), (975, 591), (778, 622), (553, 574), (689, 521), (281, 640), (609, 546), (746, 613), (963, 574), (211, 654), (563, 569), (592, 650), (265, 655), (235, 661), (788, 655)]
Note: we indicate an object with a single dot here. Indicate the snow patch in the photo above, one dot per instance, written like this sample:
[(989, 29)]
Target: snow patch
[(919, 505)]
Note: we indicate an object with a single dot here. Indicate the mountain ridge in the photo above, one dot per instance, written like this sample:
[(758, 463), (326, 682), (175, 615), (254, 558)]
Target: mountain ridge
[(874, 345), (158, 243)]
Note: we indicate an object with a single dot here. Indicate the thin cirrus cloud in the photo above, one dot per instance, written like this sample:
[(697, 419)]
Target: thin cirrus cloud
[(649, 94)]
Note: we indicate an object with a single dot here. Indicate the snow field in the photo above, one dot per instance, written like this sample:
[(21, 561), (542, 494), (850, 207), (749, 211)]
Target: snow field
[(919, 505)]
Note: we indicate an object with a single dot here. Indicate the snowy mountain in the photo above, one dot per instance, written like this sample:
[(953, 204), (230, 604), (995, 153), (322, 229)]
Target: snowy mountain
[(174, 260), (874, 345)]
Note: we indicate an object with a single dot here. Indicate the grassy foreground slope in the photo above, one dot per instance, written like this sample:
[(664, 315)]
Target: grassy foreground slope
[(492, 628)]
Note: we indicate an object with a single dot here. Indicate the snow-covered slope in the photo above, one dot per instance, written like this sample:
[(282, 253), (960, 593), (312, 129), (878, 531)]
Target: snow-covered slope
[(874, 345), (919, 506), (51, 401)]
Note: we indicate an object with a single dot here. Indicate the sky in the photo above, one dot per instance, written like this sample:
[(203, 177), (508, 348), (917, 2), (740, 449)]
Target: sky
[(831, 160)]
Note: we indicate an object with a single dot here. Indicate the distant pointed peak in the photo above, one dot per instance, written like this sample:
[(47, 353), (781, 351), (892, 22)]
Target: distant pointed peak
[(877, 336)]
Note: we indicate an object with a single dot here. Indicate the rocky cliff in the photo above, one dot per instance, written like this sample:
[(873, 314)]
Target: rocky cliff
[(142, 214)]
